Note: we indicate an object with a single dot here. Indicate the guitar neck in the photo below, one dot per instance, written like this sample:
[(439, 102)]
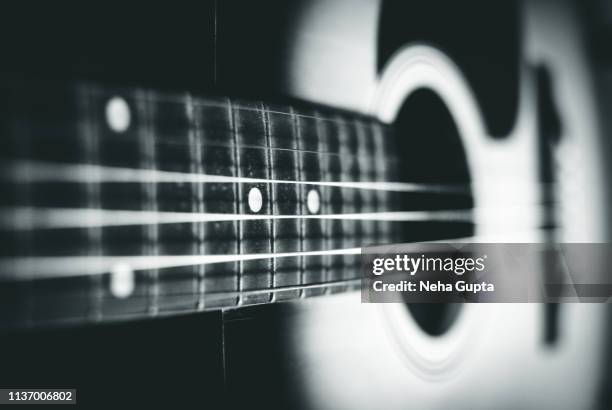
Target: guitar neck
[(126, 203)]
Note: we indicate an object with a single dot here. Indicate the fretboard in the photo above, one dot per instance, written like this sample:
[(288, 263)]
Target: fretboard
[(120, 203)]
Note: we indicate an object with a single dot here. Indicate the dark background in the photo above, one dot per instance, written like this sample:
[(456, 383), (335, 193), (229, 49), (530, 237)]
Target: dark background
[(220, 47)]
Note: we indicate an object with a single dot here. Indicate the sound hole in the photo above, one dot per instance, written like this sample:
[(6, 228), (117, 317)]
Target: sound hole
[(430, 146)]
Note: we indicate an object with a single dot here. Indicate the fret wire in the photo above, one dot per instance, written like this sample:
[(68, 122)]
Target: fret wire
[(92, 155), (380, 171), (301, 225), (322, 139), (237, 197), (197, 205), (146, 141), (313, 229), (273, 267), (347, 171), (286, 200), (362, 138)]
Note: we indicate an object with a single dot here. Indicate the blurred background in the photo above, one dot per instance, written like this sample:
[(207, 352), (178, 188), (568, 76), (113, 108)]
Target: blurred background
[(510, 99)]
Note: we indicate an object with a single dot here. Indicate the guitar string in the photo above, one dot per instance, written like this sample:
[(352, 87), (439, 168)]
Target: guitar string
[(35, 171), (42, 267), (222, 294), (27, 218), (210, 102), (67, 266)]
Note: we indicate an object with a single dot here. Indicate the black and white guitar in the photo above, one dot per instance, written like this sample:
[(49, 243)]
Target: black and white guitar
[(211, 237)]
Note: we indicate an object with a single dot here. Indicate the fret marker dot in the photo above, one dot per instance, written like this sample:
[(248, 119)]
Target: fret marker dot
[(255, 200), (313, 201), (122, 281), (118, 114)]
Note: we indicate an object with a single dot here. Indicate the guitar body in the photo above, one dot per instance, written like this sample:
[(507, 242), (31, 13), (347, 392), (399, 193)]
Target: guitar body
[(514, 102), (353, 355)]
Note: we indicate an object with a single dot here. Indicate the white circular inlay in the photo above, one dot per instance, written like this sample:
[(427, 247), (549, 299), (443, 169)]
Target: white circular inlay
[(255, 200), (122, 280), (118, 114), (313, 201)]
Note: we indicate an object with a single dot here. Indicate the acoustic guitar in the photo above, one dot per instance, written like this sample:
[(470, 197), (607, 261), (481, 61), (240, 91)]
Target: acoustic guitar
[(186, 192)]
